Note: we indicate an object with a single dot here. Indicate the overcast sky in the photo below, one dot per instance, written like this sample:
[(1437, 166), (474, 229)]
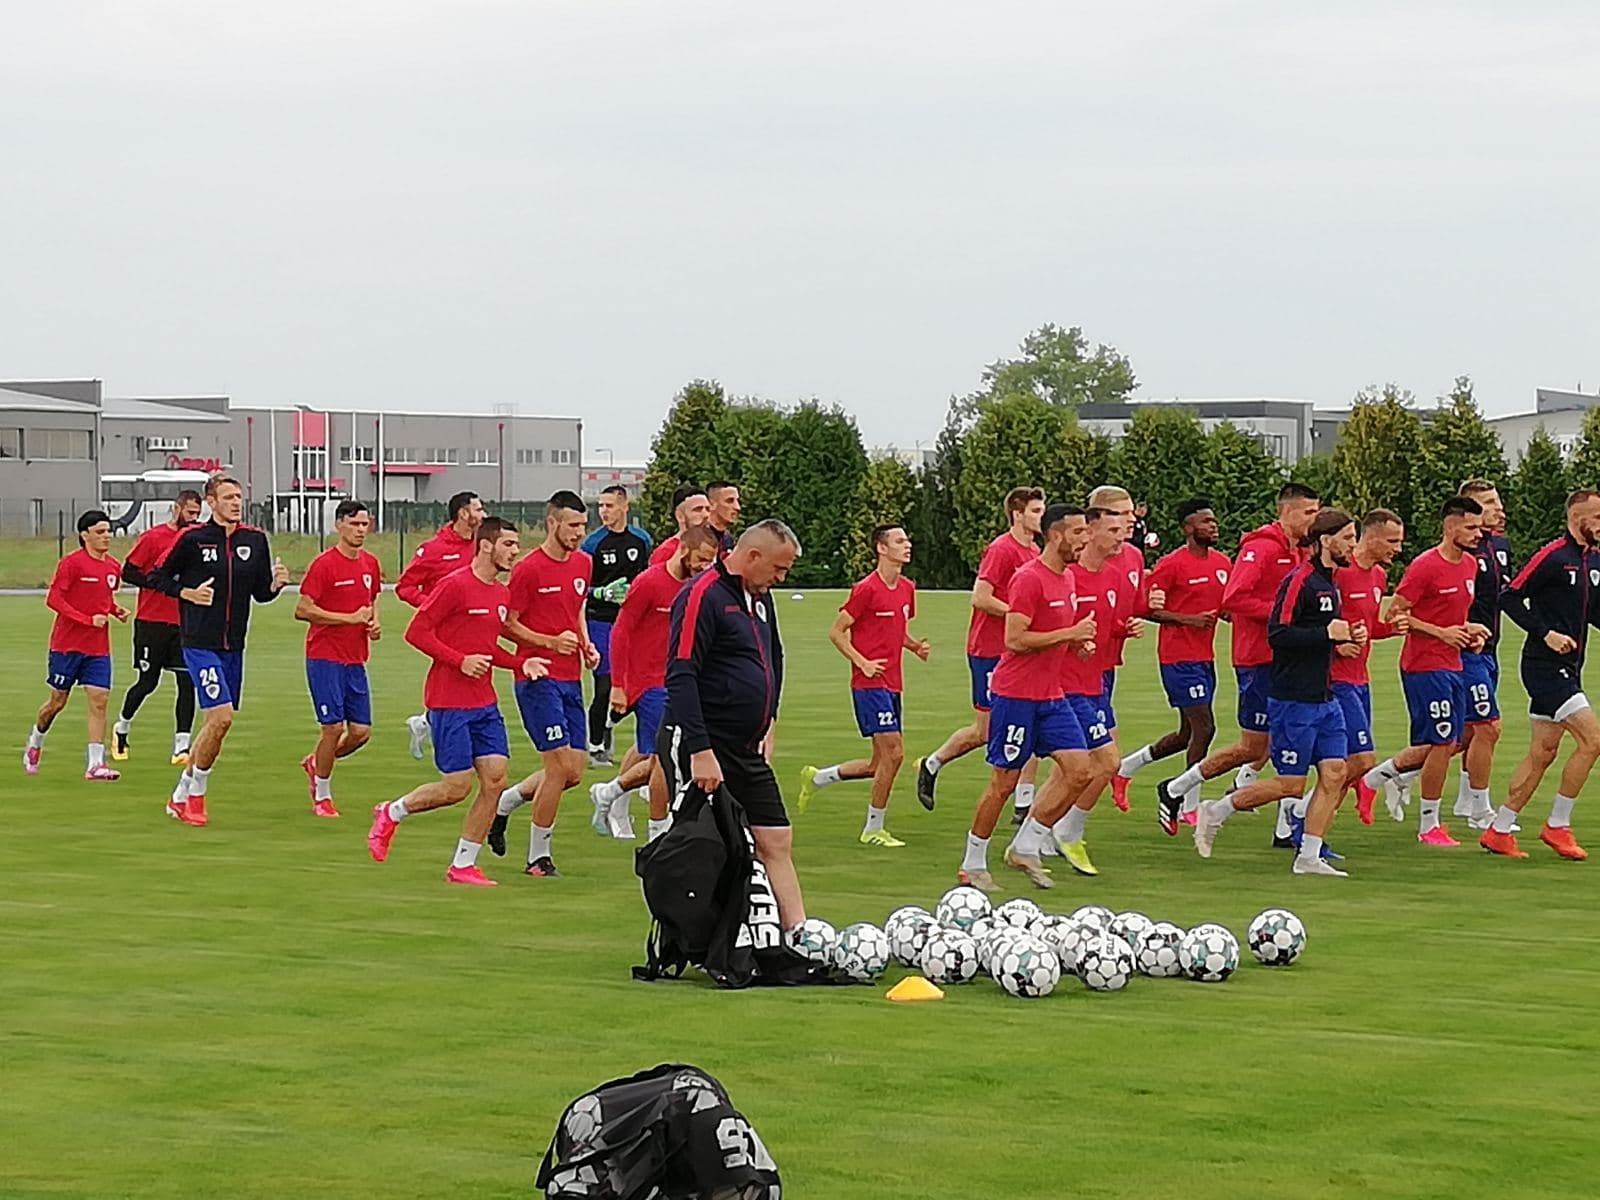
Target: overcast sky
[(577, 206)]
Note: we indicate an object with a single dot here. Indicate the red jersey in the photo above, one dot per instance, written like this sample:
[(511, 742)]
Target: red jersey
[(83, 586), (547, 597), (462, 615), (641, 635), (1103, 595), (1264, 562), (1134, 594), (881, 614), (1440, 593), (1193, 584), (1047, 600), (443, 554), (148, 552), (986, 635), (665, 551), (341, 584), (1360, 601)]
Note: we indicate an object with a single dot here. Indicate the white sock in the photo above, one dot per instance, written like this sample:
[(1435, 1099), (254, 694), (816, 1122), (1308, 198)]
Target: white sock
[(1022, 798), (1311, 847), (1463, 793), (1299, 805), (510, 801), (97, 755), (1427, 816), (874, 819), (618, 808), (1030, 838), (397, 811), (1191, 799), (1406, 778), (1220, 810), (198, 776), (977, 858), (657, 828), (1560, 812), (1189, 781), (1504, 818), (826, 777), (1281, 827), (324, 787), (35, 738), (123, 725), (467, 853), (180, 743), (1381, 774), (539, 842), (1134, 762), (1070, 828), (1245, 776), (932, 764), (1478, 801), (605, 793)]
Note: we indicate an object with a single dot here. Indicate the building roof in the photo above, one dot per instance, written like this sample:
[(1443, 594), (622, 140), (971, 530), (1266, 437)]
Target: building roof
[(33, 402), (360, 410), (125, 409)]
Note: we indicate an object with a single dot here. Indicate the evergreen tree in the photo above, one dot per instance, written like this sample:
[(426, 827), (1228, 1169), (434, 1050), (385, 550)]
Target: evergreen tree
[(1455, 445), (1539, 487), (1241, 479), (1377, 449), (887, 494)]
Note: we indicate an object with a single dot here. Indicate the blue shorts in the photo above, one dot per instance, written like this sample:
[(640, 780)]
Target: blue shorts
[(339, 692), (1254, 684), (1189, 684), (600, 635), (1438, 704), (648, 711), (1108, 684), (982, 669), (553, 713), (1094, 718), (218, 676), (1481, 674), (461, 736), (877, 711), (68, 667), (1024, 729), (1355, 701), (1305, 734)]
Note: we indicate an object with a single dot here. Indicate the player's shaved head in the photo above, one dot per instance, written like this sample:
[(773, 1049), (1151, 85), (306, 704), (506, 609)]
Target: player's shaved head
[(764, 554)]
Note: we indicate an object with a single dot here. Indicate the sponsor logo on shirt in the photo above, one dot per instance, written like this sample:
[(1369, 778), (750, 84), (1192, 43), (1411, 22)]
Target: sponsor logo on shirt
[(447, 557)]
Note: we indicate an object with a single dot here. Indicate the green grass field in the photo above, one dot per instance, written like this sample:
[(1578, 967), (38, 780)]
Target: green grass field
[(255, 1009)]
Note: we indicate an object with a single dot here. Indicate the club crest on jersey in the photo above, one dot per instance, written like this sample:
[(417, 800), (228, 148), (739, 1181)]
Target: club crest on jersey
[(1501, 555), (502, 611), (112, 581), (1133, 578), (366, 579), (1222, 575), (1594, 577), (1011, 752), (243, 552), (633, 554), (761, 610), (580, 585)]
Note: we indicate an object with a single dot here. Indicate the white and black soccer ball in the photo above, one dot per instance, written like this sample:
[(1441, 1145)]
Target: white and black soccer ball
[(863, 952), (1276, 937), (1156, 952), (1069, 940), (1097, 915), (995, 938), (950, 956), (982, 927), (961, 906), (1209, 953), (908, 936), (816, 940), (901, 913), (1130, 926), (1019, 912), (583, 1122), (1027, 968), (1049, 927), (1105, 964)]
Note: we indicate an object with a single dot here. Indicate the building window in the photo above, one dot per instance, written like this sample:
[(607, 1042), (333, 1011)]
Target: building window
[(399, 454), (356, 454), (530, 458), (310, 462), (439, 456), (483, 458), (167, 443), (561, 458), (10, 443), (60, 445)]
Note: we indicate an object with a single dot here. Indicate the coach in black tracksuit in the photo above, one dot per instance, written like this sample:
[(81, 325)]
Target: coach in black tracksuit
[(724, 677)]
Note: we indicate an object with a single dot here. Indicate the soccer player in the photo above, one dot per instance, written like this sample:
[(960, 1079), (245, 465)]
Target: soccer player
[(1435, 600), (620, 552), (339, 601), (218, 569), (1306, 724), (1480, 669), (1361, 588), (1266, 558), (547, 593), (870, 632), (639, 683), (83, 595), (156, 645), (445, 552), (987, 630), (725, 510), (1190, 581), (1029, 714), (1555, 599), (1132, 605), (459, 627), (690, 509)]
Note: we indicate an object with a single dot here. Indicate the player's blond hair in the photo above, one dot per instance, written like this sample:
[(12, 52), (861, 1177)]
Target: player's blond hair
[(1108, 494)]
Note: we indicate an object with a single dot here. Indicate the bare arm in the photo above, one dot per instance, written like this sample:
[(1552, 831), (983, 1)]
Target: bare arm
[(983, 599)]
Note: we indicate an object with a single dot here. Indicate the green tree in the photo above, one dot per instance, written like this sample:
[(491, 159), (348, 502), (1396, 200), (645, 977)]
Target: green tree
[(686, 449), (810, 463), (886, 494), (1583, 467), (1539, 488), (1317, 472), (1155, 460), (1456, 444), (1242, 480), (1017, 441), (939, 561), (1059, 367), (1377, 448)]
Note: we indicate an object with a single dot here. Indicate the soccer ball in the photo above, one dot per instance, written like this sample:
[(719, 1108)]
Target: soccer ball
[(992, 941), (816, 940), (1049, 927), (583, 1122), (982, 927), (1068, 942), (904, 911), (1021, 913), (1027, 969), (1209, 953), (1156, 951), (862, 952), (1105, 964), (908, 936), (949, 957), (1276, 937), (1097, 915), (1130, 926), (961, 906)]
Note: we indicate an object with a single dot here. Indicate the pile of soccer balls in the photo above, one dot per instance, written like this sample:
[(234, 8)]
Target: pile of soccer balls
[(1027, 951)]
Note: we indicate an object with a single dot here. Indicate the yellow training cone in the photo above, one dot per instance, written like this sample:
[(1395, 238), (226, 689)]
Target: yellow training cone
[(913, 989)]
